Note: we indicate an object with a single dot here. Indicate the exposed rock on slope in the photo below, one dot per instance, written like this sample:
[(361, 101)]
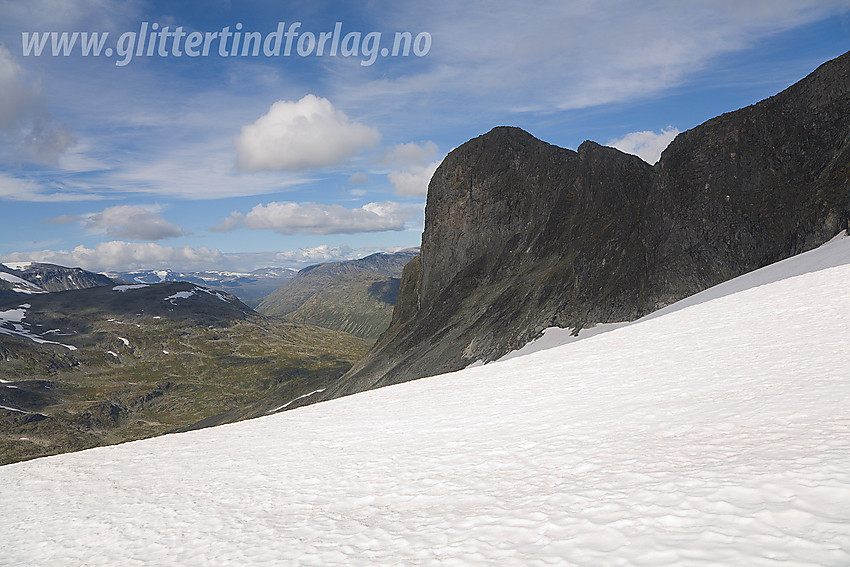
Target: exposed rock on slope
[(521, 235)]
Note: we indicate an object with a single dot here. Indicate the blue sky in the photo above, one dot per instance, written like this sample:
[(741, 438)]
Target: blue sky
[(239, 162)]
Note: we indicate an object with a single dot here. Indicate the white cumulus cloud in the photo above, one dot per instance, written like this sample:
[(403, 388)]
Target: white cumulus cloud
[(410, 153), (413, 180), (314, 218), (298, 135), (315, 255), (647, 145), (414, 167), (121, 256)]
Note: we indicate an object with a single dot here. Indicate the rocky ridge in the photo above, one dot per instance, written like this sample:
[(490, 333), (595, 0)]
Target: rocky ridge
[(521, 235)]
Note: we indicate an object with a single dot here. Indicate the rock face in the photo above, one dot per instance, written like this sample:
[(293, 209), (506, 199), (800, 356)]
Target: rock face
[(51, 277), (41, 278), (521, 235)]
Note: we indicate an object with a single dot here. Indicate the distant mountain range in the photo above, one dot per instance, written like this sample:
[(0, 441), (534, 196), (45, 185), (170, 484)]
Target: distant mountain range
[(354, 296), (19, 279), (249, 287)]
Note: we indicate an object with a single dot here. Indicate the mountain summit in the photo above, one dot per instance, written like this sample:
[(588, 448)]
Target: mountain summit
[(521, 235)]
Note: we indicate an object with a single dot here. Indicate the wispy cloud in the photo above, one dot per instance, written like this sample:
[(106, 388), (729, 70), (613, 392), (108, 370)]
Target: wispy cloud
[(568, 55), (22, 189), (25, 123), (126, 221), (313, 218)]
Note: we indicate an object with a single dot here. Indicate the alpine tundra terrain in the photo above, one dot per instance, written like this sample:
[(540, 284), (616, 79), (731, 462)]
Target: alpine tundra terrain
[(102, 365)]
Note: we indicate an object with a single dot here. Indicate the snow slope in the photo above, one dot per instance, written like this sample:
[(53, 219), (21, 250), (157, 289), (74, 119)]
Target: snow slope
[(717, 434)]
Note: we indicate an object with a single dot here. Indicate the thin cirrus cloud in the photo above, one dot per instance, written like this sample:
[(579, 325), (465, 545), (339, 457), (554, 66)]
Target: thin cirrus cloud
[(126, 221), (638, 51), (17, 189), (647, 145), (25, 123), (299, 135), (313, 218)]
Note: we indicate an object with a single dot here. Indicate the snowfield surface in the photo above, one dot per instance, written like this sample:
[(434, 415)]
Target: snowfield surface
[(718, 434)]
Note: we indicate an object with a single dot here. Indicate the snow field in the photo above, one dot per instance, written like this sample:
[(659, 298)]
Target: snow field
[(717, 434)]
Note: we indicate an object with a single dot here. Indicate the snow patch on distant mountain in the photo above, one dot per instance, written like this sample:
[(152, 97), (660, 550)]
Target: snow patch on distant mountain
[(179, 295), (17, 265), (187, 294), (123, 288), (12, 323), (24, 286)]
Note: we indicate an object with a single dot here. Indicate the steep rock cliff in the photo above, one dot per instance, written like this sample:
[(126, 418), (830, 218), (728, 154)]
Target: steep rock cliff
[(521, 235)]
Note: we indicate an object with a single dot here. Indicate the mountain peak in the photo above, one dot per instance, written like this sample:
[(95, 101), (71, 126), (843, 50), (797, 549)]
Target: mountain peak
[(521, 235)]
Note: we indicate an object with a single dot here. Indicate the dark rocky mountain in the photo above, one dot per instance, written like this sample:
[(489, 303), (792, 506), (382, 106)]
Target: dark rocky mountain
[(41, 278), (104, 365), (249, 287), (354, 296), (521, 235)]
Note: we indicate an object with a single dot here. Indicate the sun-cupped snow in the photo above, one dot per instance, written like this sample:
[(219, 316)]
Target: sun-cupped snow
[(127, 287), (834, 253), (716, 434)]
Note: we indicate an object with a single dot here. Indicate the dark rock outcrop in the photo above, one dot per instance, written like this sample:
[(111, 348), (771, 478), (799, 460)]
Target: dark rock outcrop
[(521, 235)]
